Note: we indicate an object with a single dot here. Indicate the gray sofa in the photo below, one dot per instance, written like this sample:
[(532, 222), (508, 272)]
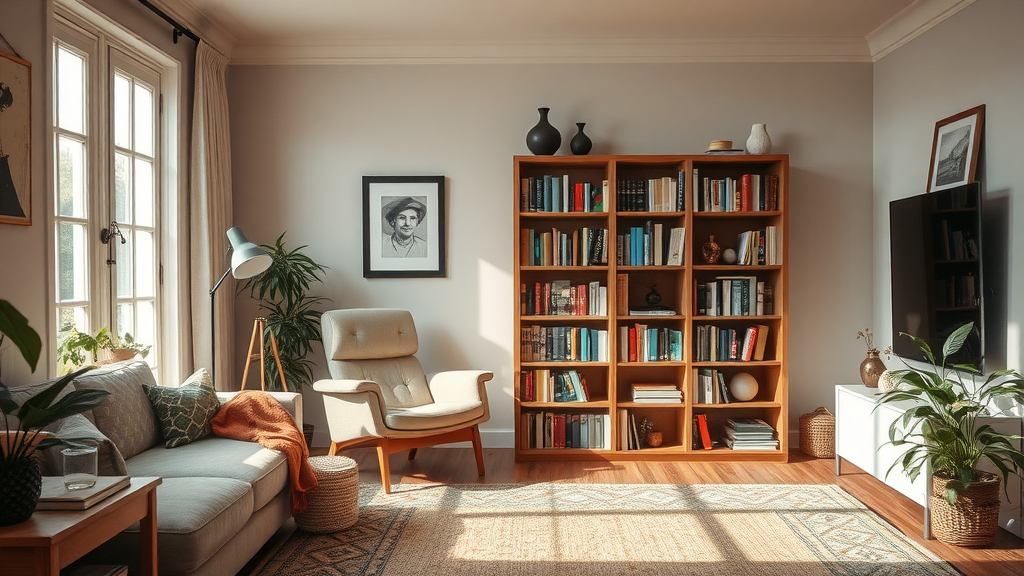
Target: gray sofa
[(220, 500)]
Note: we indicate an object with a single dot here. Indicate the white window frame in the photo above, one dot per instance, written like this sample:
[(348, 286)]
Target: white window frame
[(74, 23)]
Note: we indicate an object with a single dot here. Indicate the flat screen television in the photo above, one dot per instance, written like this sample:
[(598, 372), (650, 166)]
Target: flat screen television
[(936, 259)]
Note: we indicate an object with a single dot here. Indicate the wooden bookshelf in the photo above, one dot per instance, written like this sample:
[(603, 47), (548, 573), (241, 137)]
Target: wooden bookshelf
[(552, 343)]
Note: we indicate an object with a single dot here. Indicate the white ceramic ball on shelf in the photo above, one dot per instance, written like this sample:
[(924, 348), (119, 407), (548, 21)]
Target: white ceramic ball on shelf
[(729, 256), (743, 387)]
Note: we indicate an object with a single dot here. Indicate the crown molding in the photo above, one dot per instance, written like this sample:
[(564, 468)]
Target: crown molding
[(569, 52), (185, 12), (910, 23)]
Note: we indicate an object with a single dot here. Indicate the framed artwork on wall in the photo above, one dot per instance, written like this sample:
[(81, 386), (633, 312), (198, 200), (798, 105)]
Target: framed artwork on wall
[(15, 140), (403, 227), (955, 148)]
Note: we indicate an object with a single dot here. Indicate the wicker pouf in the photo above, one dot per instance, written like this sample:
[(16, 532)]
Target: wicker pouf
[(818, 434), (334, 504)]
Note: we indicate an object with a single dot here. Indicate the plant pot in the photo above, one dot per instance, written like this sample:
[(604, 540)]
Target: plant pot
[(109, 356), (973, 520), (20, 486)]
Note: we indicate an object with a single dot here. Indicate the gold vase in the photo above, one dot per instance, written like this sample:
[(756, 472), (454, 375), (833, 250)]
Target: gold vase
[(871, 369)]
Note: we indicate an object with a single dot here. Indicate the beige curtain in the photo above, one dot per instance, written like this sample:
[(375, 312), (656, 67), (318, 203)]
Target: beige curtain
[(210, 217)]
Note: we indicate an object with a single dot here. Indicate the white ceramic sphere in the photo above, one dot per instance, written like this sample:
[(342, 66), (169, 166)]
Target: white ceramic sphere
[(743, 387), (729, 256), (888, 381)]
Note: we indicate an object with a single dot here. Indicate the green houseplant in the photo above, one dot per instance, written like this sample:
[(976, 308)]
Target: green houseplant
[(20, 479), (105, 347), (292, 315), (942, 434)]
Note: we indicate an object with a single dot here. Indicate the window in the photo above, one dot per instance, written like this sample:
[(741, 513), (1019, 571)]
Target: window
[(109, 186)]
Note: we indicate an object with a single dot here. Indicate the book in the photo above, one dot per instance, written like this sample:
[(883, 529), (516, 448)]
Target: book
[(55, 496), (705, 436)]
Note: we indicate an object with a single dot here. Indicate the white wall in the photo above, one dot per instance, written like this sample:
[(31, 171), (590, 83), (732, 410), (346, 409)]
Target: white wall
[(975, 57), (303, 136)]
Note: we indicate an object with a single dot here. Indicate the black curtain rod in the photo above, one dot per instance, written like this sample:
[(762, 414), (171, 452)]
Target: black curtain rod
[(179, 30)]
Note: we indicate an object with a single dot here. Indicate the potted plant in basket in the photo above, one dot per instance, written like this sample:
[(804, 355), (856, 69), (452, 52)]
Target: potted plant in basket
[(20, 480), (105, 348), (941, 431)]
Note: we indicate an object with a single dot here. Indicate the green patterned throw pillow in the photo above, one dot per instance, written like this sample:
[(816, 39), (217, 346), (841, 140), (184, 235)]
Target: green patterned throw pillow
[(185, 412)]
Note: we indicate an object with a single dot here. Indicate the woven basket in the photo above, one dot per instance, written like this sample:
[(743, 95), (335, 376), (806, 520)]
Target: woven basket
[(818, 433), (334, 504), (973, 520)]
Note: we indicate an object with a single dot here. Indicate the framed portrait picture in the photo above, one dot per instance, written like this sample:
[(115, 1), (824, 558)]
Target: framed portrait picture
[(955, 148), (15, 140), (403, 227)]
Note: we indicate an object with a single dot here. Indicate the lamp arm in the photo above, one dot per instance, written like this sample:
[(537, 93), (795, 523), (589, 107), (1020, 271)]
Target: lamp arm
[(217, 285)]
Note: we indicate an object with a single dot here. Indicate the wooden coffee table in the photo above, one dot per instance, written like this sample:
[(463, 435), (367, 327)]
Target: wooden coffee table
[(51, 539)]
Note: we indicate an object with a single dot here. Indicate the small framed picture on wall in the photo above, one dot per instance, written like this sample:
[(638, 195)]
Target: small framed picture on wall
[(403, 227), (955, 149)]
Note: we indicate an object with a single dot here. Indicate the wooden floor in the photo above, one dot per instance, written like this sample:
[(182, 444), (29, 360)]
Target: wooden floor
[(456, 465)]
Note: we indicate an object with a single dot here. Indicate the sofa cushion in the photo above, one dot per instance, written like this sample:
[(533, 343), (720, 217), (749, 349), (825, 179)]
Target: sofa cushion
[(266, 470), (22, 394), (185, 412), (126, 417), (108, 459), (196, 517)]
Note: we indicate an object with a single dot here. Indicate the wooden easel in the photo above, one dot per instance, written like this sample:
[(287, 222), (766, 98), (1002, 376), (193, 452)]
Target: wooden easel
[(259, 326)]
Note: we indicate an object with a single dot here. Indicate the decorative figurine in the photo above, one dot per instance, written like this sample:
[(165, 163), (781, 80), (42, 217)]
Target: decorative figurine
[(711, 251)]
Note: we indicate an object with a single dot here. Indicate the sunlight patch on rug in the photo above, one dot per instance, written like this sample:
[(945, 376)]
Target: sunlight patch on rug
[(608, 529)]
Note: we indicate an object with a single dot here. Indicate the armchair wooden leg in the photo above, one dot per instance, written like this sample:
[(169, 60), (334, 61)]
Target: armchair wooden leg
[(333, 450), (478, 450), (412, 453), (385, 467)]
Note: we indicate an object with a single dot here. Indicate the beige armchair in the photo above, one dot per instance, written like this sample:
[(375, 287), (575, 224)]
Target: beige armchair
[(380, 396)]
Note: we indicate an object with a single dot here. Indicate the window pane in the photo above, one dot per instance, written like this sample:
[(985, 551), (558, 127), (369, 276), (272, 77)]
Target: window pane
[(69, 318), (145, 326), (125, 319), (145, 265), (144, 200), (70, 91), (71, 178), (71, 271), (122, 189), (143, 120), (125, 264), (122, 111)]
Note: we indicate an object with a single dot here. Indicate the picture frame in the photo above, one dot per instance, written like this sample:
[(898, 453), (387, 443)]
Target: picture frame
[(955, 148), (15, 140), (404, 227)]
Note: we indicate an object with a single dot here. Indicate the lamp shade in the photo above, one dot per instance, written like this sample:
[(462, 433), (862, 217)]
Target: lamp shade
[(247, 259)]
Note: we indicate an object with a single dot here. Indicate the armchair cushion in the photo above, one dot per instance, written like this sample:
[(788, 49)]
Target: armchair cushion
[(433, 416)]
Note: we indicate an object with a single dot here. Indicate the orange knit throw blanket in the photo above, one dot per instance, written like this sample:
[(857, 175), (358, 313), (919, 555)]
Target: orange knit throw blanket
[(258, 417)]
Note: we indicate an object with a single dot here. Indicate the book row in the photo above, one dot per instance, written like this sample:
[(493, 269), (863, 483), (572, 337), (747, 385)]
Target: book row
[(563, 344), (759, 247), (653, 244), (580, 247), (734, 296), (545, 385), (710, 388), (748, 193), (750, 434), (555, 193), (563, 298), (665, 194), (956, 292), (719, 344), (643, 343), (656, 394), (956, 244), (543, 430)]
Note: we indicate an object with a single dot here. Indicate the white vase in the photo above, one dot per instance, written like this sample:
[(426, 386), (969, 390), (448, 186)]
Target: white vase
[(758, 142)]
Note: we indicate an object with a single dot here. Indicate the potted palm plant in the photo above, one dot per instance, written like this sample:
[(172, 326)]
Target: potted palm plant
[(20, 479), (943, 435)]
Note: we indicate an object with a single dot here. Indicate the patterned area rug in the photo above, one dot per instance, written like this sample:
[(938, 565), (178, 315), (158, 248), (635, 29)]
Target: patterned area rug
[(608, 529)]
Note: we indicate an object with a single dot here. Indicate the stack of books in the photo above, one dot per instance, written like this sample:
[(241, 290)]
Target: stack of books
[(657, 394), (750, 434)]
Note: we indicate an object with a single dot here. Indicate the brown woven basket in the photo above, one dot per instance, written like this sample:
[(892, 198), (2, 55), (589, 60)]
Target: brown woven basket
[(334, 504), (973, 520), (818, 433)]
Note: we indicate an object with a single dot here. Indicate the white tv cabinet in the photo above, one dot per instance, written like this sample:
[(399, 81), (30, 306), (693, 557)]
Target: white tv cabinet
[(862, 436)]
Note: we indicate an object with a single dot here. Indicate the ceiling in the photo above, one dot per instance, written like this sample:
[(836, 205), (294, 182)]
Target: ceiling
[(384, 31)]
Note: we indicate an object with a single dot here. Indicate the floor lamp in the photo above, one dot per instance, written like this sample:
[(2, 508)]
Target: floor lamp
[(247, 260)]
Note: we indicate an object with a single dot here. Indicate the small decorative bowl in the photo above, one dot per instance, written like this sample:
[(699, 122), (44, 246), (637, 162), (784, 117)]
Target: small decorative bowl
[(654, 439)]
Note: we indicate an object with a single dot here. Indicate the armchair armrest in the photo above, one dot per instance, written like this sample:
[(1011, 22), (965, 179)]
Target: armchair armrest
[(292, 402), (459, 385), (355, 408)]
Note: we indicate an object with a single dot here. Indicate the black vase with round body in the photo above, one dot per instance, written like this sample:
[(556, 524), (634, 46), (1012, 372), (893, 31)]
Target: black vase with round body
[(580, 143), (543, 139)]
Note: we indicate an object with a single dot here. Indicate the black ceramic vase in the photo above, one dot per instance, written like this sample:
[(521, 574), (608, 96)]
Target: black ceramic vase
[(580, 143), (543, 139), (20, 485)]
